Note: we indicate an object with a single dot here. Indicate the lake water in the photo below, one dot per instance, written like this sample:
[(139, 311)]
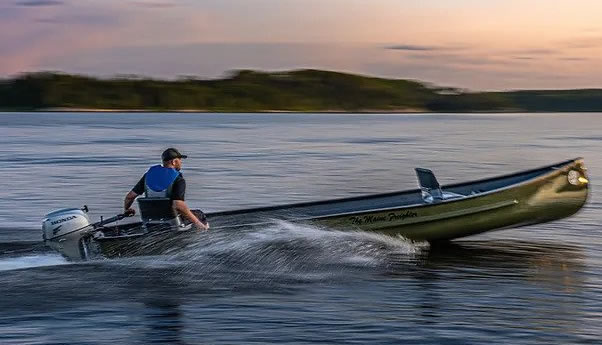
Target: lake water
[(289, 283)]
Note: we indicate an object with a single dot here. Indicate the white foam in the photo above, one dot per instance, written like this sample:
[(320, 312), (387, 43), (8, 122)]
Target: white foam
[(284, 248), (326, 245), (31, 261)]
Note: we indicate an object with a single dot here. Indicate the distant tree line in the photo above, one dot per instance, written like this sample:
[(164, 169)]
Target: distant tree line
[(250, 91)]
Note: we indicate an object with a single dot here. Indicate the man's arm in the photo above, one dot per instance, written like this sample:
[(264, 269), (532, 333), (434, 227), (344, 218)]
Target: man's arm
[(132, 195), (128, 201), (178, 194), (183, 209)]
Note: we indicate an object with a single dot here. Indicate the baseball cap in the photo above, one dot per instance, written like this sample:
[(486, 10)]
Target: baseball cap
[(172, 153)]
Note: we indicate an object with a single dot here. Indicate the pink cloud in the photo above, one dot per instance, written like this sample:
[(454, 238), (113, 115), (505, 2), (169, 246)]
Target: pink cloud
[(52, 32)]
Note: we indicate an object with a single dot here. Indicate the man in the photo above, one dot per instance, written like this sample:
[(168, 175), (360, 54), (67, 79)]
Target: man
[(166, 181)]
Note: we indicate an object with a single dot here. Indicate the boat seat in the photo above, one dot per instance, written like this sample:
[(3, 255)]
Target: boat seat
[(158, 213), (431, 189)]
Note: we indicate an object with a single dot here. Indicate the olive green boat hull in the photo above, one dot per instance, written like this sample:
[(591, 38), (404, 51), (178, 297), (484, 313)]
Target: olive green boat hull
[(547, 198)]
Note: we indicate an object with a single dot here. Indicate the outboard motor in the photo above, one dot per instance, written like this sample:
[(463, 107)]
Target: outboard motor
[(64, 229)]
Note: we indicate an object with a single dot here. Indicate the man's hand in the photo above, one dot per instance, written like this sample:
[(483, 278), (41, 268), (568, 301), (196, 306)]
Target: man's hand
[(129, 212), (183, 209), (201, 226)]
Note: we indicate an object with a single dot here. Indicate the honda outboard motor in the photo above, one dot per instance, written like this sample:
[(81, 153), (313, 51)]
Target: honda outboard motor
[(64, 229)]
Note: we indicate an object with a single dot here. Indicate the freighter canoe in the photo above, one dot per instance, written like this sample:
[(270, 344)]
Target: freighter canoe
[(431, 213)]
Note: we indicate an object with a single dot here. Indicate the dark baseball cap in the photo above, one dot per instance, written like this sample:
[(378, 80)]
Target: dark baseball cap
[(172, 153)]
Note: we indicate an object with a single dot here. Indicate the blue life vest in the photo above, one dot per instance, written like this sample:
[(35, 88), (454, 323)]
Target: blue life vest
[(159, 180)]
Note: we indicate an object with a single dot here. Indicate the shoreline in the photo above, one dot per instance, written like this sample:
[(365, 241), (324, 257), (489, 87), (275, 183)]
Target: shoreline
[(268, 111), (333, 111), (296, 91)]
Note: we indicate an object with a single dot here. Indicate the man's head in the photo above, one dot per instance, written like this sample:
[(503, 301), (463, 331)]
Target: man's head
[(172, 158)]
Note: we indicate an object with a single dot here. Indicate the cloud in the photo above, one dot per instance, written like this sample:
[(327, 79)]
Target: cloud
[(31, 37), (523, 58), (412, 47), (39, 3), (585, 42), (535, 51), (573, 59), (154, 4), (84, 19), (456, 59)]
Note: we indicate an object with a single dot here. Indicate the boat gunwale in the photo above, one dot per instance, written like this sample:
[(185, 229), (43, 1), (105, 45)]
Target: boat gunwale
[(544, 172)]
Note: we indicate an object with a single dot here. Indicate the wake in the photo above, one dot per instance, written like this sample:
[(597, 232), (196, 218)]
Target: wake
[(31, 261), (282, 250)]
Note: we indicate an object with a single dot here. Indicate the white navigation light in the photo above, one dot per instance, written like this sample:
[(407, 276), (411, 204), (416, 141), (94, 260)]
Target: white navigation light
[(575, 178)]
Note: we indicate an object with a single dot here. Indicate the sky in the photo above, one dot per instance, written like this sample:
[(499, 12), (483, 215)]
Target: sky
[(472, 44)]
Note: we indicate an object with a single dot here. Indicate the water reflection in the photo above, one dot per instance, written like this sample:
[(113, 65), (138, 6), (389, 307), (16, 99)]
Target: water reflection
[(531, 285), (164, 322), (499, 286), (557, 266)]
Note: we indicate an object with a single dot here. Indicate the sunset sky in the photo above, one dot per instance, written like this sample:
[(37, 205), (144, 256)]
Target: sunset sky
[(475, 44)]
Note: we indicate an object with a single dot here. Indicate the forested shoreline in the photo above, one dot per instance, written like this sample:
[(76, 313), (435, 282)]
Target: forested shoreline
[(292, 91)]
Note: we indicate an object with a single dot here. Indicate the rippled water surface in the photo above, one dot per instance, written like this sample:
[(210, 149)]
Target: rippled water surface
[(291, 283)]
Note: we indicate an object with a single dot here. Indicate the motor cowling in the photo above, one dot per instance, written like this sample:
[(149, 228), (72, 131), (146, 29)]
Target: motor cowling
[(60, 223)]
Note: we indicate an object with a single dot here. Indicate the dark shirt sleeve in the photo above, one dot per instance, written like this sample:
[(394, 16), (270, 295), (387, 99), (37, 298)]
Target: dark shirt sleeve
[(139, 187), (178, 190)]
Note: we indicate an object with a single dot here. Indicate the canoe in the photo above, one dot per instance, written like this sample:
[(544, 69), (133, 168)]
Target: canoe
[(431, 213)]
